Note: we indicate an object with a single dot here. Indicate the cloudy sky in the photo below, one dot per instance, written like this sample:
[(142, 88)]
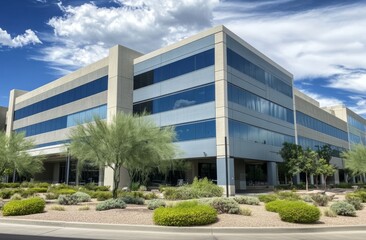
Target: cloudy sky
[(323, 43)]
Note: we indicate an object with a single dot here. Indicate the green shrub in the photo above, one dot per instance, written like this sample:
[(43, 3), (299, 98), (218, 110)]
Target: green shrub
[(82, 197), (102, 188), (68, 200), (1, 203), (247, 200), (329, 213), (51, 196), (26, 184), (90, 186), (64, 191), (299, 212), (267, 198), (343, 208), (361, 194), (225, 205), (275, 206), (245, 211), (206, 188), (39, 189), (57, 208), (42, 185), (6, 193), (102, 196), (355, 201), (142, 188), (135, 186), (24, 207), (150, 195), (320, 199), (155, 203), (133, 200), (291, 196), (111, 204), (10, 185), (185, 214), (27, 192), (16, 196), (84, 208)]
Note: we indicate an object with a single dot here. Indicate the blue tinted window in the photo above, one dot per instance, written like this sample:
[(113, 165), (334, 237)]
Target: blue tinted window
[(183, 99), (355, 123), (64, 121), (258, 104), (241, 64), (175, 69), (196, 130), (52, 143), (71, 95), (316, 145), (246, 132), (320, 126)]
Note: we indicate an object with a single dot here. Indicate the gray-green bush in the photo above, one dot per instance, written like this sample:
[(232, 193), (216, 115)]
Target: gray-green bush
[(247, 200), (82, 197), (114, 203), (155, 203), (343, 208), (68, 200)]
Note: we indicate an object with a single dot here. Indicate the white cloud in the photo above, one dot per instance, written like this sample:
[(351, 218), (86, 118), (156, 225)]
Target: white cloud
[(84, 33), (29, 37), (360, 106), (352, 81), (323, 101)]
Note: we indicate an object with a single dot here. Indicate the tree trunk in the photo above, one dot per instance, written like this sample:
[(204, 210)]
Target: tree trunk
[(116, 179), (325, 183)]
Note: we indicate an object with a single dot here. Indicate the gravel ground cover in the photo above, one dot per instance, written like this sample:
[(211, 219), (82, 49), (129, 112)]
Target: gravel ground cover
[(140, 215)]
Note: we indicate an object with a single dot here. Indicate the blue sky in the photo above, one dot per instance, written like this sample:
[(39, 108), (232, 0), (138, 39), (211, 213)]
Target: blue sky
[(323, 43)]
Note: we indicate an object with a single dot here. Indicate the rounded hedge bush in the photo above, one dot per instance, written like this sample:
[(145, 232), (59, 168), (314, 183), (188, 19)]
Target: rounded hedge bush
[(275, 206), (299, 212), (187, 214), (267, 198), (343, 208), (291, 196), (82, 197), (320, 199), (24, 207), (155, 203), (68, 200), (111, 204), (224, 205)]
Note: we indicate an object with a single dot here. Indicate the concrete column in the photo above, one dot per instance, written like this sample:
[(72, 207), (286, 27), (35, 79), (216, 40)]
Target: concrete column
[(221, 175), (311, 179), (353, 180), (296, 179), (272, 174), (10, 114), (56, 172), (322, 181), (346, 177), (101, 177), (336, 177)]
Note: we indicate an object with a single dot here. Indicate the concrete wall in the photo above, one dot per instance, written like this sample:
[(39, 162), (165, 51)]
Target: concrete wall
[(3, 111)]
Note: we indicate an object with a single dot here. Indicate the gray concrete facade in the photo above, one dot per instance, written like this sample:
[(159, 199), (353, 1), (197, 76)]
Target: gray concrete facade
[(3, 111)]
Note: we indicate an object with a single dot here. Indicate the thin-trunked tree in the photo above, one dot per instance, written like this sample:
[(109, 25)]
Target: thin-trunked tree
[(129, 141)]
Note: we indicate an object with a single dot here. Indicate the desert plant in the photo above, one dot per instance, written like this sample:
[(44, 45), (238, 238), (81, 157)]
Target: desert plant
[(189, 213), (291, 196), (329, 213), (320, 199), (150, 195), (343, 208), (82, 197), (142, 188), (112, 203), (84, 208), (307, 198), (68, 200), (225, 205), (24, 207), (355, 201), (57, 208), (16, 196), (275, 206), (155, 203), (6, 193), (247, 200), (133, 200), (102, 196), (245, 211), (51, 196)]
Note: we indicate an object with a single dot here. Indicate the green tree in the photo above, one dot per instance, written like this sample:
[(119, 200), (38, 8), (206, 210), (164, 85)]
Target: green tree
[(14, 156), (355, 159), (325, 169), (133, 142), (325, 152), (290, 153), (307, 164)]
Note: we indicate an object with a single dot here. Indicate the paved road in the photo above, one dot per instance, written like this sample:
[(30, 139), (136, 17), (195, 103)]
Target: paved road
[(29, 232)]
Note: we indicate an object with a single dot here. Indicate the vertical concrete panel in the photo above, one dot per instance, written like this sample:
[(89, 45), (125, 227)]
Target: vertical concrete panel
[(272, 174), (56, 172), (221, 174), (10, 114)]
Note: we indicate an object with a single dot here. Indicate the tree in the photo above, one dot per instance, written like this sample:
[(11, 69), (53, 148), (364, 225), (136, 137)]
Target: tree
[(355, 159), (325, 152), (325, 169), (130, 141), (290, 153), (14, 156), (307, 164)]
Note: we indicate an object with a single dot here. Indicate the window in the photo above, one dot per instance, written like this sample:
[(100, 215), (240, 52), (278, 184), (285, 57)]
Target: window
[(71, 95), (174, 101), (196, 130), (316, 145), (175, 69)]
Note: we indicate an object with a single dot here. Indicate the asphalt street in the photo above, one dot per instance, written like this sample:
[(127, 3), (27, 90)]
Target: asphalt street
[(30, 232)]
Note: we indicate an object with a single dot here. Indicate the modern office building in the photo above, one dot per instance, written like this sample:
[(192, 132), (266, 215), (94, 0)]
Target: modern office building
[(3, 111), (223, 96)]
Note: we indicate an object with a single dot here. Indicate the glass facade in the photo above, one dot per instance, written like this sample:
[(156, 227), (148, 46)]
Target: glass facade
[(178, 100), (355, 123), (69, 96), (315, 145), (196, 130), (64, 121), (52, 143), (258, 104), (355, 139), (175, 69), (246, 132), (320, 126), (241, 64)]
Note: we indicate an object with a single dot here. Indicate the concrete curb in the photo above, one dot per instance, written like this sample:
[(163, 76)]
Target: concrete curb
[(213, 230)]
